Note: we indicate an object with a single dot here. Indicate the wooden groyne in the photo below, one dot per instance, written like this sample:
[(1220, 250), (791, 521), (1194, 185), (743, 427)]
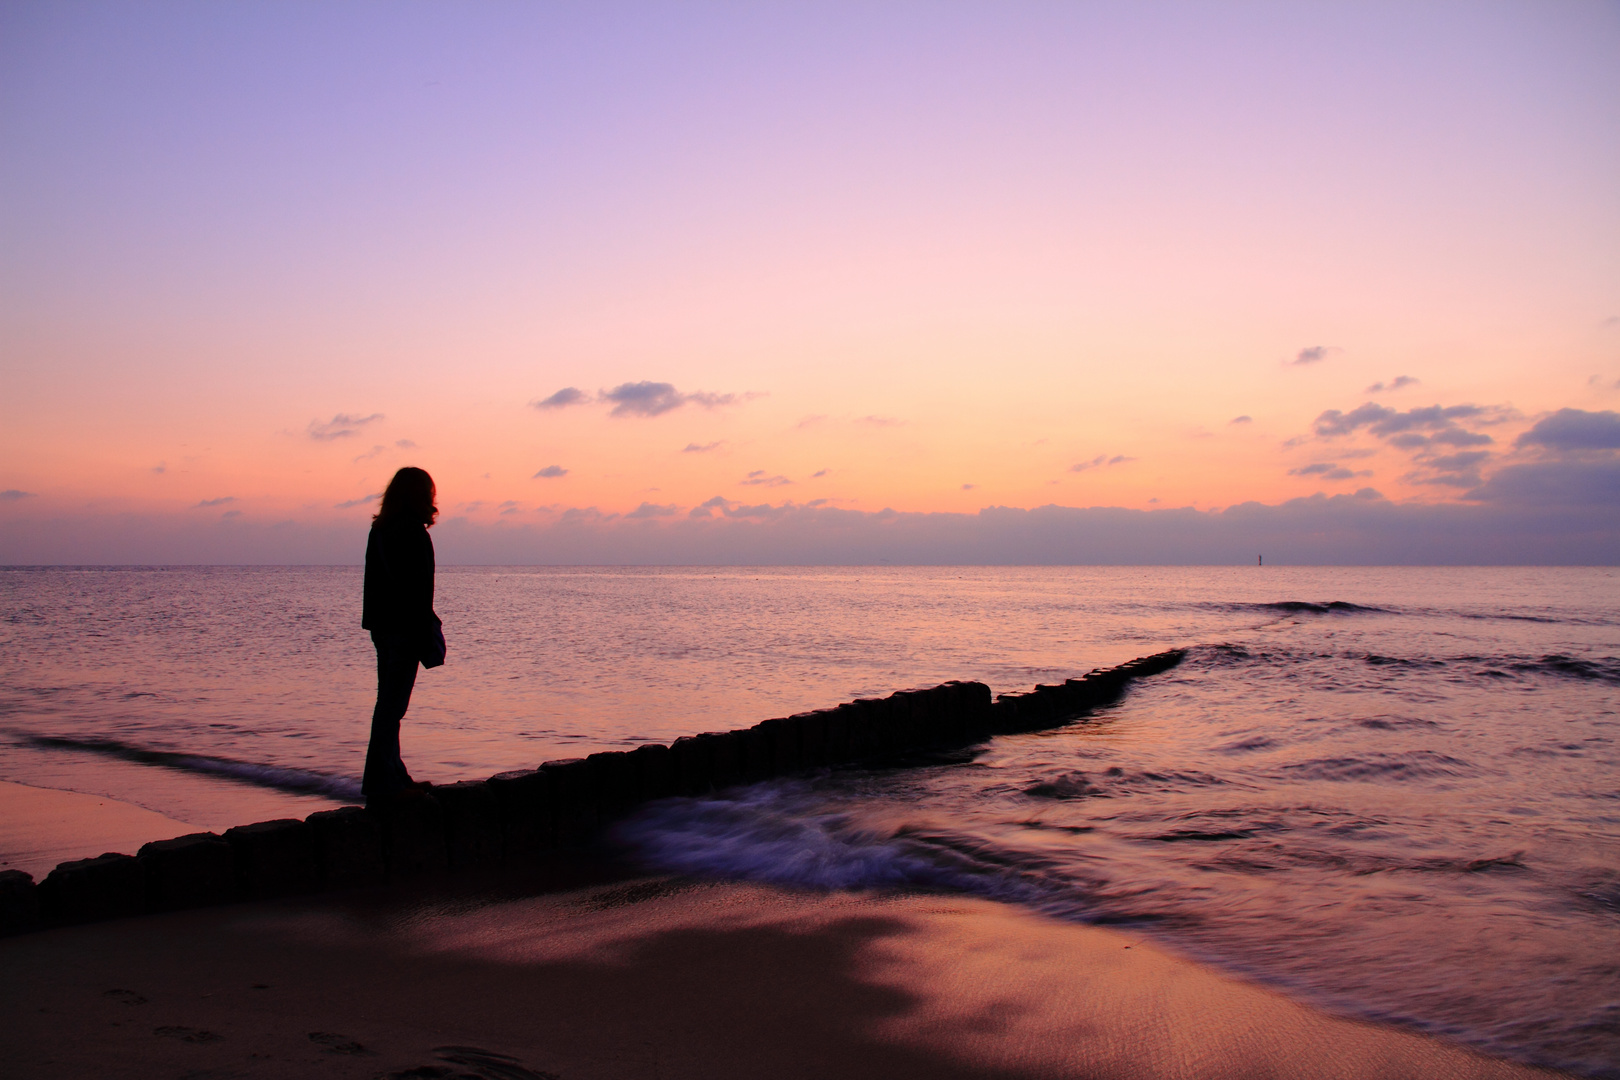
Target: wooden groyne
[(514, 819)]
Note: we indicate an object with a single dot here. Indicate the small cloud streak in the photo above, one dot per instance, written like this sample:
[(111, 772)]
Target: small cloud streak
[(1100, 461), (405, 444), (349, 504), (819, 473), (13, 494), (652, 510), (1399, 382), (1384, 421), (702, 448), (550, 472), (969, 487), (568, 395), (879, 421), (221, 501), (1244, 419), (656, 398), (1314, 354), (1328, 470), (757, 478), (341, 426)]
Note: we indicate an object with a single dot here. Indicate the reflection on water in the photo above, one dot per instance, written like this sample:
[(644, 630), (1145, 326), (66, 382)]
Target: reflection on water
[(1388, 790)]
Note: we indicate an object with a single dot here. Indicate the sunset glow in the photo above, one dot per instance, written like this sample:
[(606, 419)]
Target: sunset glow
[(929, 259)]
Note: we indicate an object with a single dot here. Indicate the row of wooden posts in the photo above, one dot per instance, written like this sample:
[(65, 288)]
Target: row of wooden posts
[(514, 819)]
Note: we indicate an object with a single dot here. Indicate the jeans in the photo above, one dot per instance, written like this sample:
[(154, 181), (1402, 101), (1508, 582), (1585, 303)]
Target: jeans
[(396, 676)]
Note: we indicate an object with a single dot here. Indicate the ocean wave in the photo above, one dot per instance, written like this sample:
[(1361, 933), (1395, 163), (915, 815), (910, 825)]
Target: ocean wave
[(778, 833), (1301, 607), (1415, 765), (278, 777), (1603, 669), (1597, 669), (1558, 665)]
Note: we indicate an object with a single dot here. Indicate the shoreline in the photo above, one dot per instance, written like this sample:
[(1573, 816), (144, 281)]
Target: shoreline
[(41, 827), (512, 818), (596, 973)]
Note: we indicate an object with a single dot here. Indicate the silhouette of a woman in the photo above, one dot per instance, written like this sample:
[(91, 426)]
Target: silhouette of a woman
[(398, 610)]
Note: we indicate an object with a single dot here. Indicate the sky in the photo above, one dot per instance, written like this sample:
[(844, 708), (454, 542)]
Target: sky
[(812, 283)]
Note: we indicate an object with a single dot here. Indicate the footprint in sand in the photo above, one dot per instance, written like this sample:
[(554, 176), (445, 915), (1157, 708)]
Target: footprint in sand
[(474, 1064), (337, 1044)]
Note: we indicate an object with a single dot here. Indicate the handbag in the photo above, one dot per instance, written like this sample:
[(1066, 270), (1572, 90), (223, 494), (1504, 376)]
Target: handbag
[(433, 647)]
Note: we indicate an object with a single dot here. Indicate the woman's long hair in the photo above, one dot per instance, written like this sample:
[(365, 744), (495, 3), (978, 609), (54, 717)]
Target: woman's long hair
[(409, 497)]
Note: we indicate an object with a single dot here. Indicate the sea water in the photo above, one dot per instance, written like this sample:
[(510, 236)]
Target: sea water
[(1390, 792)]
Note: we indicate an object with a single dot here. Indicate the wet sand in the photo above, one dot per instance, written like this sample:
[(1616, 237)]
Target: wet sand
[(657, 978), (40, 827)]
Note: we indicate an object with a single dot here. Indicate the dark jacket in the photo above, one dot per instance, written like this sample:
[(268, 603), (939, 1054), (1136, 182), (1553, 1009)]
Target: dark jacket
[(398, 599)]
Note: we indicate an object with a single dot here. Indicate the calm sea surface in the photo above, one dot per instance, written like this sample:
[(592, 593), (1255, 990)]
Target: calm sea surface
[(1391, 792)]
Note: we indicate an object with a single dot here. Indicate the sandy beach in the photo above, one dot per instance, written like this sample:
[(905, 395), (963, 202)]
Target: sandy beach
[(657, 978), (41, 827)]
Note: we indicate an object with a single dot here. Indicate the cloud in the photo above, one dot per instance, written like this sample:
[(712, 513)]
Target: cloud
[(369, 454), (1314, 354), (757, 478), (1541, 513), (231, 514), (1557, 485), (1456, 436), (819, 473), (811, 421), (1245, 419), (341, 426), (568, 395), (1100, 461), (1467, 460), (1575, 430), (657, 398), (706, 509), (1397, 383), (351, 503), (651, 510), (1328, 470), (405, 444), (879, 421), (1384, 421), (550, 472), (221, 501), (13, 494), (1459, 470), (160, 469), (969, 487), (1576, 528), (704, 448)]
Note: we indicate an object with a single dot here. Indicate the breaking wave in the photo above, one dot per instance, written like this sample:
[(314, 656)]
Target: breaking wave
[(278, 777)]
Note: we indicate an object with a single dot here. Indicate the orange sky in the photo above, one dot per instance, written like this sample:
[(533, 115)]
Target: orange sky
[(934, 260)]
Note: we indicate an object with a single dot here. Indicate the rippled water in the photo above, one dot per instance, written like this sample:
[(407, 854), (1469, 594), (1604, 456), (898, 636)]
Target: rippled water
[(1390, 791)]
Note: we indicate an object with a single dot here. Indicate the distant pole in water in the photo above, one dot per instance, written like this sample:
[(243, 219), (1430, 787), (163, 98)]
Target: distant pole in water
[(1259, 560)]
